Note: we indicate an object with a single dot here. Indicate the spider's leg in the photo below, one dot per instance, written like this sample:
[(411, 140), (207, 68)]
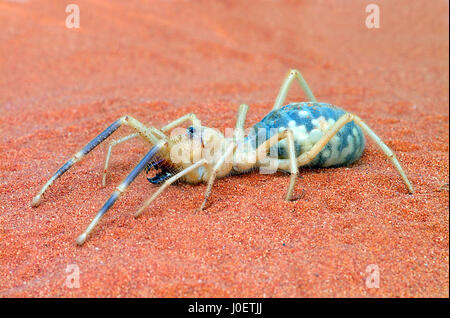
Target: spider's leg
[(188, 117), (158, 133), (292, 75), (291, 163), (215, 170), (168, 183), (308, 156), (387, 151), (125, 120), (240, 121), (108, 154), (120, 189)]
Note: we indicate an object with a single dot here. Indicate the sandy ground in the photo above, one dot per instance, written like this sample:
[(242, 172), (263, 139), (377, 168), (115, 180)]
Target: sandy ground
[(157, 61)]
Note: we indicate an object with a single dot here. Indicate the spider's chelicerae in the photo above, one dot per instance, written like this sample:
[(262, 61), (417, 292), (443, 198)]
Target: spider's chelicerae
[(299, 134)]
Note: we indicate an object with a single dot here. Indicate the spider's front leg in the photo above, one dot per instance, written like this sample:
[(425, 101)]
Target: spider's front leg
[(125, 120), (108, 154)]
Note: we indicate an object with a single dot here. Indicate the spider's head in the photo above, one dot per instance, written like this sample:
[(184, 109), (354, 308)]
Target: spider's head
[(186, 147)]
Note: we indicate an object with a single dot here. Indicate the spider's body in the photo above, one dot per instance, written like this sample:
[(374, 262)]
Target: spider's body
[(308, 134), (309, 121)]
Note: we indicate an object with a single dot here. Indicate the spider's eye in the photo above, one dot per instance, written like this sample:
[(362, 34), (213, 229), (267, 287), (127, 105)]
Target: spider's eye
[(191, 131)]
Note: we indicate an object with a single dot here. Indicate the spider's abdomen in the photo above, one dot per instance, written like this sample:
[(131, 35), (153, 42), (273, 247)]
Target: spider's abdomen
[(308, 122)]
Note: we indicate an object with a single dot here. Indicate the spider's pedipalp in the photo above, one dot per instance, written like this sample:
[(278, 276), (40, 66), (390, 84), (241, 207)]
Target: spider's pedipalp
[(120, 189), (77, 157), (124, 120)]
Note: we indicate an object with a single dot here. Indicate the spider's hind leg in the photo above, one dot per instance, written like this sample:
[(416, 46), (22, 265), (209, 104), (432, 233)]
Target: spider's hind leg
[(290, 77), (387, 151), (308, 156)]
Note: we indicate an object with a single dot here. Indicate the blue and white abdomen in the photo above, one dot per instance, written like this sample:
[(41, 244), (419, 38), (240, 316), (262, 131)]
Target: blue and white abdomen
[(309, 121)]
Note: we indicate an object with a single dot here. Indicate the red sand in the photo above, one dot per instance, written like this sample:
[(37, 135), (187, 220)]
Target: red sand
[(60, 87)]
